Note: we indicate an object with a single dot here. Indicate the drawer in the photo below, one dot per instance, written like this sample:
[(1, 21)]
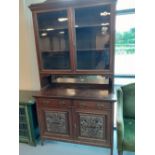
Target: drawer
[(58, 103), (93, 105)]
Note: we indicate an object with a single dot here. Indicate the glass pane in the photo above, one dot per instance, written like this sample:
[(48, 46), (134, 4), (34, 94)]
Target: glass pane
[(125, 4), (123, 81), (125, 45), (92, 37), (54, 40)]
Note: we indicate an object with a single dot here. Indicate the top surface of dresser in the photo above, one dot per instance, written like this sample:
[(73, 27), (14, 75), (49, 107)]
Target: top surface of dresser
[(77, 93)]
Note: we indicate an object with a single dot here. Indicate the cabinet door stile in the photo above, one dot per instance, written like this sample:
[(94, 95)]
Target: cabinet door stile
[(112, 38), (71, 24), (39, 115), (74, 122), (37, 40)]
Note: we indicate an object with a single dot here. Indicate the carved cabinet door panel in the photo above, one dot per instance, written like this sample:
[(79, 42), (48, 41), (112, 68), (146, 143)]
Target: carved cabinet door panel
[(93, 127), (55, 121)]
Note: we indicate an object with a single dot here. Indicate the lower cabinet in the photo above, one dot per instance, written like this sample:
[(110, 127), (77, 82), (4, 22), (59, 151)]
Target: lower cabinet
[(87, 122)]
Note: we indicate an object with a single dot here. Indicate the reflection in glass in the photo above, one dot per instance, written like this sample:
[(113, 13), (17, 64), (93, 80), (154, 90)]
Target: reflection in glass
[(54, 20), (92, 38), (92, 15), (93, 59)]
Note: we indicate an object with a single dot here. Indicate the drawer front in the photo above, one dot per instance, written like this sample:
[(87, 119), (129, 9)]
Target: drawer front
[(56, 103), (92, 105)]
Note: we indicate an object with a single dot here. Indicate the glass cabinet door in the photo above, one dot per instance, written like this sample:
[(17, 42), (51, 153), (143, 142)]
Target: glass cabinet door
[(54, 40), (92, 26)]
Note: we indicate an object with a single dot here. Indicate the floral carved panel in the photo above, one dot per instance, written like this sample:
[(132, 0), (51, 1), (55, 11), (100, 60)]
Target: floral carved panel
[(92, 126), (57, 122)]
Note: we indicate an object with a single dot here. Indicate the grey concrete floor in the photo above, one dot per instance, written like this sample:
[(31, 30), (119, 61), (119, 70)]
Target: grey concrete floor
[(62, 148)]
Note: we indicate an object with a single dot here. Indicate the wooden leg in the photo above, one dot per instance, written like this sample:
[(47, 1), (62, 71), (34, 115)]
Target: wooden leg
[(111, 151), (42, 142), (120, 152)]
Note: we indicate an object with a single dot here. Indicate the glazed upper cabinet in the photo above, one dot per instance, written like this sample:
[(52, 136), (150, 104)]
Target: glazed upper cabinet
[(75, 37)]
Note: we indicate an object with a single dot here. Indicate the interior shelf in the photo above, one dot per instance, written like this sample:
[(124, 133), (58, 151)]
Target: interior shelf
[(92, 25), (54, 28), (93, 49), (76, 26), (54, 51), (80, 50)]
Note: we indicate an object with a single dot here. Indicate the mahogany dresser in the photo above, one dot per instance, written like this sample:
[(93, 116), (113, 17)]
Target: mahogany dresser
[(75, 52)]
